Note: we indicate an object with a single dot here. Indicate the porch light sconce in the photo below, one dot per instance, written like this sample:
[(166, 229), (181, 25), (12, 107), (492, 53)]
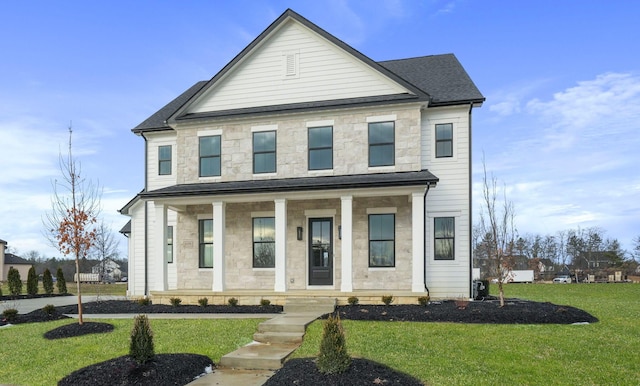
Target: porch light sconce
[(340, 232), (299, 233)]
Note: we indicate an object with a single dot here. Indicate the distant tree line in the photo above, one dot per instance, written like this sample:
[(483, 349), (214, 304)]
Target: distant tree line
[(586, 250)]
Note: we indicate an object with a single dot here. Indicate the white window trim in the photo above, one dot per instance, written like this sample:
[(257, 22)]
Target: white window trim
[(257, 129), (387, 210), (209, 133), (328, 122)]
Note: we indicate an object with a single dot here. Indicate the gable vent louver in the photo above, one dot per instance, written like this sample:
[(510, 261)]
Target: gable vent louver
[(291, 64)]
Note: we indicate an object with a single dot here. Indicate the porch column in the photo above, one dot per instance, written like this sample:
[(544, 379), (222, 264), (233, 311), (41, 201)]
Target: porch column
[(417, 241), (281, 246), (218, 245), (159, 264), (346, 216)]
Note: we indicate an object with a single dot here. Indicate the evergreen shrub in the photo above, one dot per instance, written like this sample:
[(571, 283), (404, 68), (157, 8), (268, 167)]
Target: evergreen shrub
[(333, 357), (60, 282), (32, 281), (141, 345), (47, 282), (15, 282)]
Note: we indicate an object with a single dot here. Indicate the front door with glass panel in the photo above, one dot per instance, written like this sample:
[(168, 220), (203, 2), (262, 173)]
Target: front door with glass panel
[(320, 251)]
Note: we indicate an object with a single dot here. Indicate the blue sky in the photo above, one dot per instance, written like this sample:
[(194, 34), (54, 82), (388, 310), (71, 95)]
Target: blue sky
[(560, 127)]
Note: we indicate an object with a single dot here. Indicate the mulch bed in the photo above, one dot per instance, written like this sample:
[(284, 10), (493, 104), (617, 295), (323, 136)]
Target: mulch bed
[(164, 369), (76, 329), (303, 372), (133, 307)]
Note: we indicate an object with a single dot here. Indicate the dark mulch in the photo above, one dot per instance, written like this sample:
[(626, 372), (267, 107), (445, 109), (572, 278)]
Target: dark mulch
[(133, 307), (514, 312), (76, 329), (164, 369), (361, 372), (34, 317)]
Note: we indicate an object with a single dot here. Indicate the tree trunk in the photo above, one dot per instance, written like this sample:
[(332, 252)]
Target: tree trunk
[(80, 321)]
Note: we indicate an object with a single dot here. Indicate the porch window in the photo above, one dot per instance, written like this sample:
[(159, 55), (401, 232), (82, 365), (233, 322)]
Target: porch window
[(264, 242), (381, 144), (164, 160), (205, 232), (382, 244), (264, 152), (320, 148), (444, 140), (210, 156), (444, 238), (170, 244)]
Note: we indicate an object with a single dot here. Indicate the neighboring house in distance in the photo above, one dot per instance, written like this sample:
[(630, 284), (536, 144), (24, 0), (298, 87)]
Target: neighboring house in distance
[(305, 168), (108, 269), (8, 260)]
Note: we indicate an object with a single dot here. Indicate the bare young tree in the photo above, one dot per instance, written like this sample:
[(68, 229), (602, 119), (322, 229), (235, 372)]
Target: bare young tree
[(75, 207), (497, 220), (105, 246)]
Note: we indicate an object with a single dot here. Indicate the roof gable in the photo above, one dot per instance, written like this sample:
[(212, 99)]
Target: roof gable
[(10, 258), (294, 62)]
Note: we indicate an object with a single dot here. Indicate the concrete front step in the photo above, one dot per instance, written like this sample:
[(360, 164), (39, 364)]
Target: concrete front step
[(278, 337), (258, 356), (315, 305), (288, 323)]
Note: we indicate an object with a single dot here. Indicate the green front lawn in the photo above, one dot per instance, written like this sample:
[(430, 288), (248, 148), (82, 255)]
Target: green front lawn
[(463, 354), (29, 359)]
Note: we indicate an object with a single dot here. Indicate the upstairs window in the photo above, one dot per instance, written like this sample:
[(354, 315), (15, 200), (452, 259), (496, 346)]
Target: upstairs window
[(264, 152), (264, 242), (169, 244), (320, 148), (444, 238), (205, 236), (444, 140), (210, 156), (382, 244), (381, 144), (164, 160)]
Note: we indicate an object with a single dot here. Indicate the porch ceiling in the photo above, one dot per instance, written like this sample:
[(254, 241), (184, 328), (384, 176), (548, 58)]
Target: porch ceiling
[(298, 188)]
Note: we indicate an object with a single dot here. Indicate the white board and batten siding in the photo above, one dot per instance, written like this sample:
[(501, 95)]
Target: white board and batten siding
[(450, 198), (294, 65), (136, 276)]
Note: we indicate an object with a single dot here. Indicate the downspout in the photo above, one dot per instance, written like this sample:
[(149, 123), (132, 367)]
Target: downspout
[(424, 247), (470, 206), (146, 219)]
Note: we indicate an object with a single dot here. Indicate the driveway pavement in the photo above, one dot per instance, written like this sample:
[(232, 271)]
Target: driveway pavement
[(25, 306)]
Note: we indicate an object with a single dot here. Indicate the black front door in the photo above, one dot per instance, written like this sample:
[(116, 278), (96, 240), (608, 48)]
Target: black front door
[(320, 251)]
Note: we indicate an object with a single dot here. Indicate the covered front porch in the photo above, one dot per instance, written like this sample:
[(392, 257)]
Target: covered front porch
[(320, 240)]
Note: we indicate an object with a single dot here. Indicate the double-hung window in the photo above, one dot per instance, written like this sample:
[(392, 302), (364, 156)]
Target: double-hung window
[(264, 152), (205, 235), (320, 148), (382, 243), (444, 140), (444, 238), (169, 244), (164, 160), (264, 242), (209, 156), (381, 144)]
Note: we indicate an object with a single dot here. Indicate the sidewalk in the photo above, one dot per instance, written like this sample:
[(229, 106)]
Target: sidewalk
[(24, 306)]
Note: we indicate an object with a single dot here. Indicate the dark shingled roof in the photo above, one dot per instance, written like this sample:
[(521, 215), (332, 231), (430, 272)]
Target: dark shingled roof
[(158, 121), (441, 76), (126, 229), (10, 258), (301, 184)]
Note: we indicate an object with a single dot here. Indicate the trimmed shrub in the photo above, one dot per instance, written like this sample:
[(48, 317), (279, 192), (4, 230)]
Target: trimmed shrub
[(10, 314), (49, 309), (423, 300), (265, 302), (233, 302), (141, 345), (47, 282), (0, 290), (32, 281), (15, 282), (333, 357), (60, 282), (387, 299), (175, 301), (203, 302), (144, 301), (353, 300)]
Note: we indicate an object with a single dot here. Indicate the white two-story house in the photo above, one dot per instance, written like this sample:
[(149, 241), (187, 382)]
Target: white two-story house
[(305, 168)]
